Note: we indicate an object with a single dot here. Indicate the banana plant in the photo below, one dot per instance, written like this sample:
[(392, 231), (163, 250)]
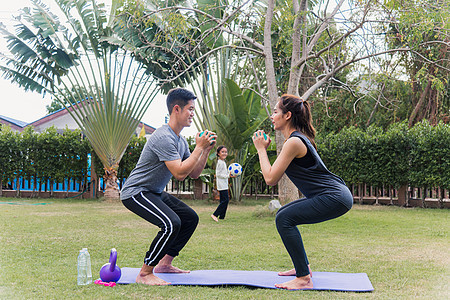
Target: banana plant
[(52, 55), (237, 123), (233, 113), (223, 107)]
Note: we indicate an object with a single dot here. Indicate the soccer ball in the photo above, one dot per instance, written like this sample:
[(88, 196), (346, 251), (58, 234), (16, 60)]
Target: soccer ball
[(235, 169)]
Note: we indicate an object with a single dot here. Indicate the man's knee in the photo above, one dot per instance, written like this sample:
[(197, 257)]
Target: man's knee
[(190, 219), (175, 223), (193, 218)]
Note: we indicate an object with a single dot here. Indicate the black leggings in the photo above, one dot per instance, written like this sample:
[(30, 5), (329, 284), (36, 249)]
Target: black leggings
[(223, 205), (176, 220), (305, 211)]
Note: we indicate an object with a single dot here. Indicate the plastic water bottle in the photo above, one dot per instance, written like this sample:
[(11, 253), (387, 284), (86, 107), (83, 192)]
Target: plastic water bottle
[(84, 267)]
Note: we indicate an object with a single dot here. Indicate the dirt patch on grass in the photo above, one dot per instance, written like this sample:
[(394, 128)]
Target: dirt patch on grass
[(53, 213), (370, 207), (134, 224), (116, 210), (438, 254)]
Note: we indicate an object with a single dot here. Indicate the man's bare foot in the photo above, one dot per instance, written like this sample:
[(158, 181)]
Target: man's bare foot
[(292, 272), (299, 283), (214, 218), (150, 279), (146, 276), (168, 269), (165, 266)]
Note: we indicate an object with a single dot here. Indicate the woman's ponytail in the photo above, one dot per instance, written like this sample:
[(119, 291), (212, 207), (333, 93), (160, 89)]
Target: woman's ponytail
[(301, 115)]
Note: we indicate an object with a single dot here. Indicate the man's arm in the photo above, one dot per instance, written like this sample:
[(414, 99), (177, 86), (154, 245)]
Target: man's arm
[(195, 163), (200, 164), (181, 169)]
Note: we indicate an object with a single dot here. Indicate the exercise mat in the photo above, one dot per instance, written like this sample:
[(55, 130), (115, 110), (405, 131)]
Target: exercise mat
[(331, 281)]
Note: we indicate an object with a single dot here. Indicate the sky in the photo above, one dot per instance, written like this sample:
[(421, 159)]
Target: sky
[(30, 106)]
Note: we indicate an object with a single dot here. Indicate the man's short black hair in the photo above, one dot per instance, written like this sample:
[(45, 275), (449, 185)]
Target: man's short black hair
[(180, 97)]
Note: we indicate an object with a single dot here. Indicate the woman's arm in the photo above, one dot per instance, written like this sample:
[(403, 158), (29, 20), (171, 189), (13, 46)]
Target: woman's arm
[(292, 148)]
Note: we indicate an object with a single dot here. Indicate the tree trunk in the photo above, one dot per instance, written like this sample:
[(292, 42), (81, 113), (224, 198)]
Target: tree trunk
[(361, 194), (391, 191), (424, 195), (419, 104), (268, 55), (433, 107), (68, 188), (40, 187), (286, 189), (51, 188), (376, 196), (111, 187), (376, 105), (18, 187), (198, 189), (402, 195), (298, 48), (35, 180), (93, 181)]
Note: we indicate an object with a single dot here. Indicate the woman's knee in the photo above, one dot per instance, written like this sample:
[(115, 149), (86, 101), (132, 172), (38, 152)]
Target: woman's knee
[(281, 220)]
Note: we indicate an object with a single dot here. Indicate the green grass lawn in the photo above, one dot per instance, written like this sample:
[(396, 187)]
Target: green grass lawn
[(405, 252)]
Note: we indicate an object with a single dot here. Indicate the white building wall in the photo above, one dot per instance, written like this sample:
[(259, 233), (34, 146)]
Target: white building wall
[(60, 123)]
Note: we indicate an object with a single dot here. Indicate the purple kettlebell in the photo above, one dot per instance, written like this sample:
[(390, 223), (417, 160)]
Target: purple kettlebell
[(110, 272)]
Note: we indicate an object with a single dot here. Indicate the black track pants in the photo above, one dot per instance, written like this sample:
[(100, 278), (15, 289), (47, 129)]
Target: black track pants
[(176, 220)]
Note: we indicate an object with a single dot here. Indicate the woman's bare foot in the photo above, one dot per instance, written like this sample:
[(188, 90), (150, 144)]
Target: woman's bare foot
[(146, 276), (292, 272), (214, 218), (287, 273), (298, 283)]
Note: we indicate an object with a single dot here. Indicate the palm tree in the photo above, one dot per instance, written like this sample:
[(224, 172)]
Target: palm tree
[(49, 57), (243, 117)]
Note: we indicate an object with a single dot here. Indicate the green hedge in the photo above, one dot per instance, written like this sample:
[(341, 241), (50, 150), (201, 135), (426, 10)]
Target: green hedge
[(419, 155), (55, 157), (43, 156), (399, 155)]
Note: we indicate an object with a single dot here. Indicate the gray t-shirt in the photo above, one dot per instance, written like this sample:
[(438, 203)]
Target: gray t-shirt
[(151, 173)]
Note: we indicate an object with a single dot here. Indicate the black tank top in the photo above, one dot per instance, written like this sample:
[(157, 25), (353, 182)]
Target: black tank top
[(305, 161), (316, 179)]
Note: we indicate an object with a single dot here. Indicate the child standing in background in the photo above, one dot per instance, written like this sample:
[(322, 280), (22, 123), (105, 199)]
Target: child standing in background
[(222, 176)]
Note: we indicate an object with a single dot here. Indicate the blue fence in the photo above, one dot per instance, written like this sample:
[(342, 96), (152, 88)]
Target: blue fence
[(29, 185)]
